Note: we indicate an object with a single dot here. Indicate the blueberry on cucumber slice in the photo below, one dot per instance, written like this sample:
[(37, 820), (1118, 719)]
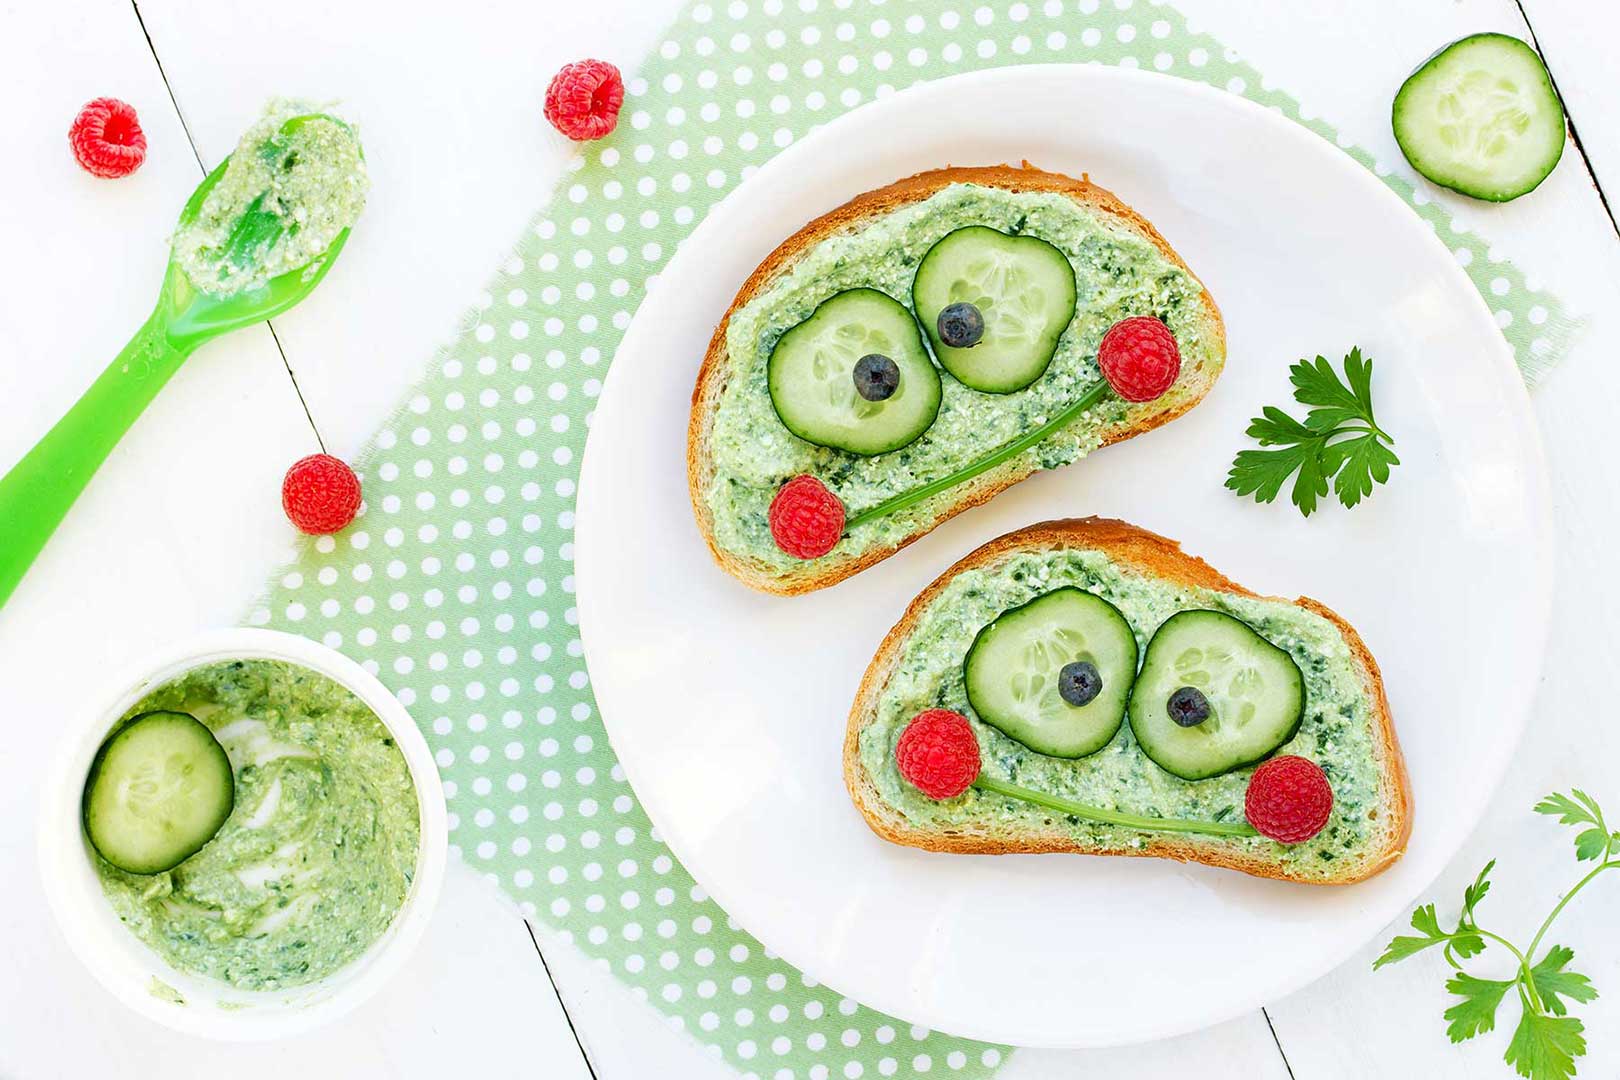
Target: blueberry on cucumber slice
[(1213, 696), (1055, 673), (158, 790), (855, 375), (877, 377), (960, 325), (1021, 287), (1188, 707), (1481, 117)]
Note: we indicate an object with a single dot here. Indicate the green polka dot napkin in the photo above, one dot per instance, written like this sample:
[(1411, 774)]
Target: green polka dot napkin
[(456, 586)]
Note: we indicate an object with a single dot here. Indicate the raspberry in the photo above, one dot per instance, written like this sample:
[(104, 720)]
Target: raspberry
[(938, 753), (583, 99), (320, 494), (806, 519), (1139, 358), (107, 138), (1289, 799)]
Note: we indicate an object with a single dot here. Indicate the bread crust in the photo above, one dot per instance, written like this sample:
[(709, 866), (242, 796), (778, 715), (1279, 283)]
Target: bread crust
[(1161, 558), (713, 374)]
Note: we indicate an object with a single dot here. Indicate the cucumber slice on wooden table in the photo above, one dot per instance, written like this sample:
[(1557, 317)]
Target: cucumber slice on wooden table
[(158, 790), (1481, 117), (1023, 291), (855, 375), (1213, 696), (1055, 673)]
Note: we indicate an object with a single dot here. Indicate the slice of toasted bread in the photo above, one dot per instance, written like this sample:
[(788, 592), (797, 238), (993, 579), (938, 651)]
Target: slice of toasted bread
[(1139, 552), (1197, 376)]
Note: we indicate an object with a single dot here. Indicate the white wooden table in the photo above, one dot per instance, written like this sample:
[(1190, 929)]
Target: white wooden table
[(183, 524)]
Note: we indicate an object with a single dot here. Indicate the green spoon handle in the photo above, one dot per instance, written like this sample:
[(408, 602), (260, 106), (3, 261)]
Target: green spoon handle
[(36, 494)]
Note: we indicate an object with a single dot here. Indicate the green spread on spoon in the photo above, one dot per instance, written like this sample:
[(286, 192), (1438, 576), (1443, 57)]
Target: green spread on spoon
[(319, 850), (295, 181)]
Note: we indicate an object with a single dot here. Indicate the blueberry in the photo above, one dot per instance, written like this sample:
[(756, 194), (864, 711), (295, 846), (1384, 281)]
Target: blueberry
[(1079, 683), (961, 326), (1188, 707), (876, 377)]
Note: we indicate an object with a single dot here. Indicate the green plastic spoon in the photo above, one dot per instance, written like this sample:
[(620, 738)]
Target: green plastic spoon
[(38, 491)]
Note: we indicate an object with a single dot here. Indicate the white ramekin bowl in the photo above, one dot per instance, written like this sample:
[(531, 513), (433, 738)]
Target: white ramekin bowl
[(133, 972)]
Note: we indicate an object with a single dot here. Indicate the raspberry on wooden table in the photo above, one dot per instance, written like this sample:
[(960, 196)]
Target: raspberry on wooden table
[(107, 139)]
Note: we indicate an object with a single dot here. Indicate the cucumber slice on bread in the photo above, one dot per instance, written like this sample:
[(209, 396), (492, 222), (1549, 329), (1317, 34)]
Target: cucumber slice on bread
[(1213, 696), (158, 790), (1021, 287), (1481, 117), (814, 375), (1020, 679)]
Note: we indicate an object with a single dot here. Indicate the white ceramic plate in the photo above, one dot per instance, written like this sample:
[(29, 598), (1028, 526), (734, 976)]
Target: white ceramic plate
[(727, 707)]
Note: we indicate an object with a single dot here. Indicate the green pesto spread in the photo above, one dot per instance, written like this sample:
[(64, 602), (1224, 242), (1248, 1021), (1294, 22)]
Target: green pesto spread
[(1118, 273), (319, 850), (164, 992), (295, 181), (1337, 731)]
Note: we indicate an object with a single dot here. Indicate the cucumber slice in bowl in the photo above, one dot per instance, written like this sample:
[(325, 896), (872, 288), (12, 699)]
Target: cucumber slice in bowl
[(815, 387), (1023, 289), (1214, 696), (1481, 117), (1055, 673), (158, 790)]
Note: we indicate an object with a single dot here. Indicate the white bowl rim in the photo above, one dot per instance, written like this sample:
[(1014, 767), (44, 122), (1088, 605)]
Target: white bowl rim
[(124, 964)]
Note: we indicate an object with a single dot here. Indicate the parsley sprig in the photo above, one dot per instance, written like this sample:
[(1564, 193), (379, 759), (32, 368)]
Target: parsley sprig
[(1547, 1040), (1338, 440)]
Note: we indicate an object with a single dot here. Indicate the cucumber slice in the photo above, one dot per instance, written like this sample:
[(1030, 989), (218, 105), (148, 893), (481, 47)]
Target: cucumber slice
[(1013, 667), (1023, 287), (1254, 691), (1481, 117), (811, 375), (158, 790)]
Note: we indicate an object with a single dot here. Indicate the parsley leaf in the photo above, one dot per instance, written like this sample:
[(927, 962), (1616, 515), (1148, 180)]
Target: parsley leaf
[(1466, 940), (1554, 984), (1579, 808), (1336, 404), (1475, 1014), (1545, 1047), (1403, 945), (1366, 461), (1576, 808), (1460, 943), (1338, 440)]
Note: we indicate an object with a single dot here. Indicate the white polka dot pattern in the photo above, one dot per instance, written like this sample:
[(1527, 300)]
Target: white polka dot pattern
[(456, 586)]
